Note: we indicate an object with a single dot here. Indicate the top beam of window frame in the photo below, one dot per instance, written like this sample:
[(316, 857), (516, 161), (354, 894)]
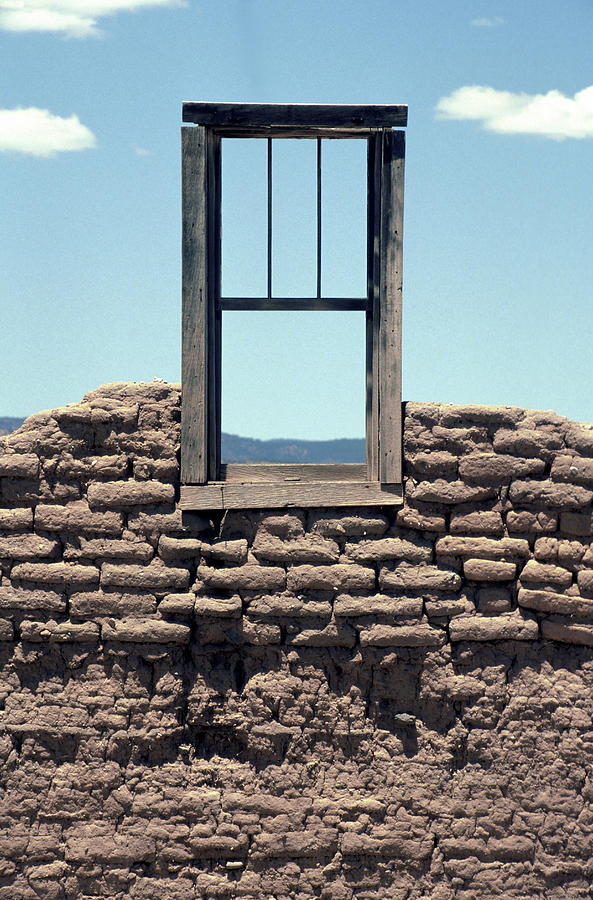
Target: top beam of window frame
[(311, 115)]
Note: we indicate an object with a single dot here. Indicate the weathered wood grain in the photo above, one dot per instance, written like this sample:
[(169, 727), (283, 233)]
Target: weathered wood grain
[(292, 472), (374, 165), (194, 343), (222, 495), (392, 207), (213, 263), (291, 114)]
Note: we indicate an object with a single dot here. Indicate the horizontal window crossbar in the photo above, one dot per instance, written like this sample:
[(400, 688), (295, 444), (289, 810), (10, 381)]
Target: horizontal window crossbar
[(289, 304)]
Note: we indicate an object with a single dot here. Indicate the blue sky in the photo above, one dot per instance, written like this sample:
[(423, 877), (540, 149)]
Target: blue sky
[(498, 261)]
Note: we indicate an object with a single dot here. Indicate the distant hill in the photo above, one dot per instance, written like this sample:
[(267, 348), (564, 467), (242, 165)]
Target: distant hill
[(285, 450), (8, 424), (237, 449)]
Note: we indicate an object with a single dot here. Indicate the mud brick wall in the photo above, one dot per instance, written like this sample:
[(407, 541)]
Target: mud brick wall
[(387, 703)]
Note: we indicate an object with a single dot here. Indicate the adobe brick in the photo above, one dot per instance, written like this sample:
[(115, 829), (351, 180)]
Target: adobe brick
[(313, 549), (134, 551), (561, 604), (567, 632), (6, 630), (88, 604), (16, 519), (26, 492), (179, 548), (550, 493), (483, 548), (248, 578), (165, 469), (19, 465), (77, 517), (580, 437), (73, 414), (340, 577), (127, 494), (541, 573), (333, 635), (113, 466), (493, 600), (568, 553), (348, 525), (31, 600), (419, 578), (150, 631), (154, 522), (526, 442), (289, 606), (260, 634), (525, 522), (421, 635), (450, 492), (66, 574), (415, 551), (482, 521), (577, 524), (496, 468), (178, 604), (482, 414), (585, 581), (233, 552), (448, 605), (410, 517), (572, 469), (461, 440), (29, 546), (506, 627), (62, 632), (346, 606), (119, 416), (152, 577), (286, 525), (221, 608), (439, 463), (489, 570)]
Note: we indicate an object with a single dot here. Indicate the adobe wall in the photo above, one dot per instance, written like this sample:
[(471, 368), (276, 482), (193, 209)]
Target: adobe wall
[(321, 704)]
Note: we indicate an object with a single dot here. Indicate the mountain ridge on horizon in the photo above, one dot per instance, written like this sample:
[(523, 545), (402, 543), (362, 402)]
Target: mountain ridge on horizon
[(237, 449)]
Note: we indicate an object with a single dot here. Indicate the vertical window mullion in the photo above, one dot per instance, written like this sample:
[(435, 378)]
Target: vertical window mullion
[(269, 218), (318, 218)]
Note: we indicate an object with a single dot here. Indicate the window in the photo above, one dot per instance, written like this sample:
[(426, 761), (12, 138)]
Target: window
[(207, 482)]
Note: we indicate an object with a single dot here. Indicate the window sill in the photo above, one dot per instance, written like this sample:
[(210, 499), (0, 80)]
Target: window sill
[(276, 494)]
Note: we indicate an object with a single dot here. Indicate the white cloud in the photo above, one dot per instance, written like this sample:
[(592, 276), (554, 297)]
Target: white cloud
[(551, 115), (37, 132), (74, 18), (488, 22), (142, 151)]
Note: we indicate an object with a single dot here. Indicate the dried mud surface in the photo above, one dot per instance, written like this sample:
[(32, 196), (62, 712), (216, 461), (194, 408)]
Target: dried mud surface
[(323, 704)]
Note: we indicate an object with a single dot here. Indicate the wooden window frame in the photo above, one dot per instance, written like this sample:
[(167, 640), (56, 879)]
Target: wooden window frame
[(206, 483)]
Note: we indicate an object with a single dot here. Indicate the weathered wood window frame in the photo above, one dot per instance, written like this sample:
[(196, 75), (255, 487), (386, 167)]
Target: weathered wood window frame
[(206, 483)]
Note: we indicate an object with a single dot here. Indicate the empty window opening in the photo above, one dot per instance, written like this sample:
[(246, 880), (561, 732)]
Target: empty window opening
[(294, 376)]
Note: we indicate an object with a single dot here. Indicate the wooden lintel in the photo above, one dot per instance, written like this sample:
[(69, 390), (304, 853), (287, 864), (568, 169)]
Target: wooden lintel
[(296, 114)]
